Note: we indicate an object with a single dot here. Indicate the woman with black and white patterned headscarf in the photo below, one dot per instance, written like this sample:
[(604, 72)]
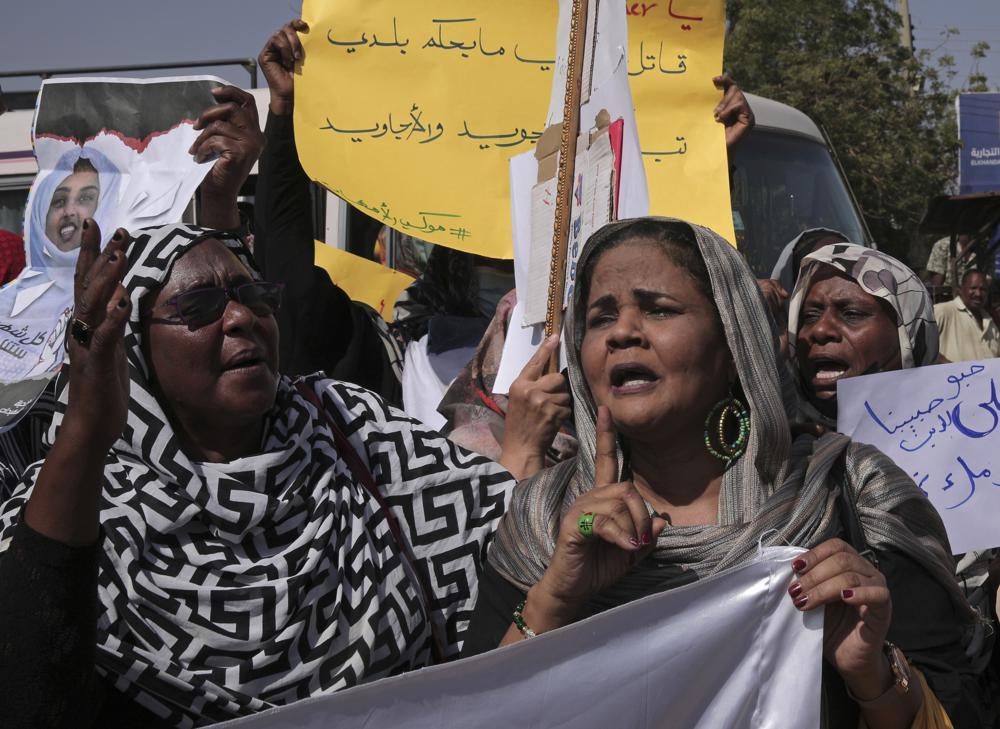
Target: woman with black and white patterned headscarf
[(213, 538)]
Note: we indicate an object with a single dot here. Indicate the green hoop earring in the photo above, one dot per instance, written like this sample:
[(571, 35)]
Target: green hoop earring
[(715, 425)]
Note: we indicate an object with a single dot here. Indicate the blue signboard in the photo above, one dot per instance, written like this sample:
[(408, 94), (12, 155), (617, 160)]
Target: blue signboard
[(979, 130)]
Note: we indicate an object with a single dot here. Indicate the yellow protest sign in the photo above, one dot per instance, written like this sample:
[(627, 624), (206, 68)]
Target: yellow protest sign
[(675, 49), (411, 111), (363, 280)]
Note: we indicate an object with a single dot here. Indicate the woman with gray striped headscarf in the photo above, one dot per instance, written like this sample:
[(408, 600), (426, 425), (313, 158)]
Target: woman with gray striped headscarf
[(686, 465)]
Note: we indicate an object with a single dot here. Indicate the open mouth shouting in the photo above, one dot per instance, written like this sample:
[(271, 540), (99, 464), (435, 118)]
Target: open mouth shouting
[(824, 372), (631, 378)]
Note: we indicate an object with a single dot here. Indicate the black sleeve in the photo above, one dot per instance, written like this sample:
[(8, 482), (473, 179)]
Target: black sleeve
[(929, 630), (282, 206), (313, 317), (321, 328), (493, 613), (48, 633)]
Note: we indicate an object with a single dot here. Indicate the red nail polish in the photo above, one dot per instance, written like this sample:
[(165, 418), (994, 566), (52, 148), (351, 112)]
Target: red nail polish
[(633, 541), (795, 589), (847, 594), (801, 601), (646, 539), (799, 565)]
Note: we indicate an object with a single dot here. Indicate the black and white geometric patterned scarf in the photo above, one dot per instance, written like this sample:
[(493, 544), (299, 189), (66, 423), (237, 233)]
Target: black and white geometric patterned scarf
[(228, 588)]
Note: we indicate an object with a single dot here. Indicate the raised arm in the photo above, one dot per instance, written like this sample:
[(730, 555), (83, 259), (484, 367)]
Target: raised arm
[(48, 604), (283, 206), (65, 501)]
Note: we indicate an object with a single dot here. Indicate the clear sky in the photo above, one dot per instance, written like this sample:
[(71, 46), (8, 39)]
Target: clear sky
[(59, 33)]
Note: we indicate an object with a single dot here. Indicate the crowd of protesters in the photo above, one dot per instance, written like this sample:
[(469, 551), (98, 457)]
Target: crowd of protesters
[(235, 498)]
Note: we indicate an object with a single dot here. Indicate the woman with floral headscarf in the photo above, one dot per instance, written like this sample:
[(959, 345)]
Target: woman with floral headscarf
[(855, 311), (686, 466)]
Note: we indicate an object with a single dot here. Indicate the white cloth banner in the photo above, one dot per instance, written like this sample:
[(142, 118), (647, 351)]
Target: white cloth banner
[(730, 651), (939, 424)]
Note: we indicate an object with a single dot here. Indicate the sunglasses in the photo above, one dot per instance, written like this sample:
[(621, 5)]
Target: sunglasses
[(199, 307)]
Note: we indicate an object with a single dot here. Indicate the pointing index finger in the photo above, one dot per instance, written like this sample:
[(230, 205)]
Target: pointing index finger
[(606, 458)]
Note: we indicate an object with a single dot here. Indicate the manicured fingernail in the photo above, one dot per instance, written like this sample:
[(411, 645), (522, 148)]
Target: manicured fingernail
[(122, 303), (795, 589), (117, 236), (646, 538), (633, 541), (799, 565), (801, 601), (847, 594)]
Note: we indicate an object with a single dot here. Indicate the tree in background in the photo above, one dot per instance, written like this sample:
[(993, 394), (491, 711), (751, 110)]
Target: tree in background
[(888, 114)]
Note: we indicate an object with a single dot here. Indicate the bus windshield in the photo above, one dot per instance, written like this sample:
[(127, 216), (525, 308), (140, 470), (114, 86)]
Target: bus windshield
[(783, 184)]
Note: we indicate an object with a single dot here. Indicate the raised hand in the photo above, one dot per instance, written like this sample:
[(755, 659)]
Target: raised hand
[(277, 60), (623, 533), (734, 110), (99, 380), (231, 130), (64, 503), (858, 612), (538, 403)]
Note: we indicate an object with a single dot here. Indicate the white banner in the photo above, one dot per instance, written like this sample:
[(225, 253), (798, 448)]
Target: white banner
[(939, 425), (730, 651)]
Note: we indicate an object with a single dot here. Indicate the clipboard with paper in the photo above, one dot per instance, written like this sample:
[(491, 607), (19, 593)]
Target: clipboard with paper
[(608, 180)]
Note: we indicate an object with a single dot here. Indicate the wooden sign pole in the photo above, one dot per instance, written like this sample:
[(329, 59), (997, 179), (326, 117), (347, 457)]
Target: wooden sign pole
[(566, 172)]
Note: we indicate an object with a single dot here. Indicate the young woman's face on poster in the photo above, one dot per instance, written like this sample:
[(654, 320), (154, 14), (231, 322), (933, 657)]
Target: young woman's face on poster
[(74, 200)]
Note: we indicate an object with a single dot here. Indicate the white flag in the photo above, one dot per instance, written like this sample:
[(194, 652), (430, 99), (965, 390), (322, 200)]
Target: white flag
[(730, 651)]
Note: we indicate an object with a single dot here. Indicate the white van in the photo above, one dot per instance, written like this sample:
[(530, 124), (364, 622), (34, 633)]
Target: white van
[(784, 178)]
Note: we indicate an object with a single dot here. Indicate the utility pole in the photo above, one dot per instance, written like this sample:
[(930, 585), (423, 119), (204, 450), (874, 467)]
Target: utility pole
[(906, 31)]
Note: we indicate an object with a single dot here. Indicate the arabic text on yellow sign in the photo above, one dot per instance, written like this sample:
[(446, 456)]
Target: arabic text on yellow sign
[(411, 111)]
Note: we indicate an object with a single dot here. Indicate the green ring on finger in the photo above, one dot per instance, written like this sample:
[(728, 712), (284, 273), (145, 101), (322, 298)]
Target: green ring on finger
[(586, 524)]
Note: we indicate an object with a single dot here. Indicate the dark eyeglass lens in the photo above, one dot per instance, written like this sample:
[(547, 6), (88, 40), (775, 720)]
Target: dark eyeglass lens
[(204, 306), (262, 298), (201, 307)]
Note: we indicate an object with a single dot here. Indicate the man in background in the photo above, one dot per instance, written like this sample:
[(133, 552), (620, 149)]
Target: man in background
[(967, 330)]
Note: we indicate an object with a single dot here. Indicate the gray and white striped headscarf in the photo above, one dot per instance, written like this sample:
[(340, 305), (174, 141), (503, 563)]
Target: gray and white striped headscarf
[(778, 492), (228, 588), (879, 275)]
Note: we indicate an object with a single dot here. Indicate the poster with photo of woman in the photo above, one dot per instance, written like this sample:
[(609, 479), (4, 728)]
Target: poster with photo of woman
[(114, 150)]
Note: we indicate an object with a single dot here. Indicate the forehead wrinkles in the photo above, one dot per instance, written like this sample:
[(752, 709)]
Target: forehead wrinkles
[(631, 266), (831, 285)]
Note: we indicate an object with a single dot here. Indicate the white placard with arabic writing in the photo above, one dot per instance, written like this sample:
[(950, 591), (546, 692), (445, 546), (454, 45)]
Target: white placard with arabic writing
[(941, 425)]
